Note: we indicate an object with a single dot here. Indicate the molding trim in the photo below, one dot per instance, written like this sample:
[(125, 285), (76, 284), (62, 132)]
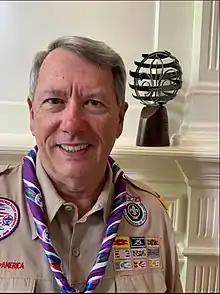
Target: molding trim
[(200, 251), (201, 133), (198, 134), (201, 88), (213, 45)]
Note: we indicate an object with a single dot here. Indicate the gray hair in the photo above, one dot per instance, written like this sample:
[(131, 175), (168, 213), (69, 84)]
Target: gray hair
[(93, 50)]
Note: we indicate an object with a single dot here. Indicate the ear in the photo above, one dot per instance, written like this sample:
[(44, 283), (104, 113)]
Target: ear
[(122, 112), (31, 114)]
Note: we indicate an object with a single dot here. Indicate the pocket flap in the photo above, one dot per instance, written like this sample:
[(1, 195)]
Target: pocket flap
[(17, 285)]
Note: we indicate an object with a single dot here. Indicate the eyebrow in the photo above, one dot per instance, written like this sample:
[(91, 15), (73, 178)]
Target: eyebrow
[(95, 94), (62, 93), (55, 92)]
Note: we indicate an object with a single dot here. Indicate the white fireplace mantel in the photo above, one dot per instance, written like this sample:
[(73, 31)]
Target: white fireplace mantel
[(188, 178)]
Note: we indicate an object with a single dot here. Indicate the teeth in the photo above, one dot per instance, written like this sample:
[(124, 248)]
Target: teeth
[(73, 148)]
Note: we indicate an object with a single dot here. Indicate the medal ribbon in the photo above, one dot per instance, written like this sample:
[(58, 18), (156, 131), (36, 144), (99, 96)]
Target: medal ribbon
[(35, 201)]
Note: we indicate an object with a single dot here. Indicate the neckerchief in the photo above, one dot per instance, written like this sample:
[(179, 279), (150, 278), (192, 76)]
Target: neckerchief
[(35, 201)]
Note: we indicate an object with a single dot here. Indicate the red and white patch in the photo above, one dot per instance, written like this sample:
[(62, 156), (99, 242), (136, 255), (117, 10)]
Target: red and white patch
[(12, 265), (9, 217), (139, 264)]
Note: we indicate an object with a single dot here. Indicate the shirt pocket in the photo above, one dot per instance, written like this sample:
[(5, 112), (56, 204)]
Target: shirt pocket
[(17, 285), (151, 282)]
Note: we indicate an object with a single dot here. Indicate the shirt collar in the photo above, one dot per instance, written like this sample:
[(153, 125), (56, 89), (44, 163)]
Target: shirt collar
[(53, 201)]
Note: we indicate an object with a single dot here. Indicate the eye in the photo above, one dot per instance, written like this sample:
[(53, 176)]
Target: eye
[(53, 101), (94, 103)]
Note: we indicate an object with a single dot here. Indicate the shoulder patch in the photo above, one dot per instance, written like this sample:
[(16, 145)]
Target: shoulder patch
[(144, 187), (9, 217)]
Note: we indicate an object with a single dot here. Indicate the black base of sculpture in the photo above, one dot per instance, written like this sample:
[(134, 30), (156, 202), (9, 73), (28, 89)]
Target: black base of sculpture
[(153, 127)]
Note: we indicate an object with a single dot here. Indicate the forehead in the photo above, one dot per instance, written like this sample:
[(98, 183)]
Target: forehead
[(64, 67)]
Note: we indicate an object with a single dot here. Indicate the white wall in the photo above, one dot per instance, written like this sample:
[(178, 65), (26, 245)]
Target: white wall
[(131, 28), (28, 27)]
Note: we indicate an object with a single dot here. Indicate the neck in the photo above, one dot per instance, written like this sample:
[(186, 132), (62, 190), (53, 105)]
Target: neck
[(82, 193)]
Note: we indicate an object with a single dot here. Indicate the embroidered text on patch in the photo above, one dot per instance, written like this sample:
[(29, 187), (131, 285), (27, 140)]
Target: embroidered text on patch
[(9, 217), (12, 264)]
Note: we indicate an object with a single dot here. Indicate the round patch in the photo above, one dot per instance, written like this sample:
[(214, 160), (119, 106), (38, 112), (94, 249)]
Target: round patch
[(39, 200), (9, 217), (46, 236), (135, 213)]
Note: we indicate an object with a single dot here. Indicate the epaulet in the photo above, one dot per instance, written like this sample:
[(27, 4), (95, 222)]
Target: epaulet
[(144, 187), (3, 168)]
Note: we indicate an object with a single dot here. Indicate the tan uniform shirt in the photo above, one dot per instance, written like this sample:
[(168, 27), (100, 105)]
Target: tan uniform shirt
[(143, 258)]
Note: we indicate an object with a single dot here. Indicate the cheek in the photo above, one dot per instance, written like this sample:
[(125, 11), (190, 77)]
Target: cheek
[(44, 126), (106, 128)]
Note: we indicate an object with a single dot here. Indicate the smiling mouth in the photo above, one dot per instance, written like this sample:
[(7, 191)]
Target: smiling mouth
[(73, 149)]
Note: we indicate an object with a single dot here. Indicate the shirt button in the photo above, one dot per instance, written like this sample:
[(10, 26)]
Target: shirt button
[(76, 252), (68, 208)]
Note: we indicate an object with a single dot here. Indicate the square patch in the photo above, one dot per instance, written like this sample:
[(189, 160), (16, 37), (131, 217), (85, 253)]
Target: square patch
[(121, 242), (121, 254), (153, 263), (139, 264), (153, 242), (137, 242), (123, 265), (139, 253), (153, 252)]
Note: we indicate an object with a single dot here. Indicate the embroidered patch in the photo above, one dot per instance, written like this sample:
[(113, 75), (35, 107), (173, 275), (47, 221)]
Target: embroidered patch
[(139, 264), (133, 198), (121, 242), (123, 265), (153, 263), (137, 242), (45, 236), (39, 200), (135, 253), (153, 242), (153, 252), (12, 265), (139, 253), (135, 213), (121, 254), (9, 217)]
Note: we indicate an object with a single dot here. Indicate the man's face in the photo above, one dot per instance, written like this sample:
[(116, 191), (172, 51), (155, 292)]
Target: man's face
[(74, 115)]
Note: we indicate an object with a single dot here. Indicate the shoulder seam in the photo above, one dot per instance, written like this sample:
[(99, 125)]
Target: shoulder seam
[(153, 193)]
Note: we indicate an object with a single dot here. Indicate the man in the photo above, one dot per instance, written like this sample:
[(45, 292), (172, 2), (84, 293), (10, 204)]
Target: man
[(70, 219)]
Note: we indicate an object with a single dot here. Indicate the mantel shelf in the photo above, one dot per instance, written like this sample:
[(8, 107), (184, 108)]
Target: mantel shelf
[(135, 151), (169, 151), (19, 144)]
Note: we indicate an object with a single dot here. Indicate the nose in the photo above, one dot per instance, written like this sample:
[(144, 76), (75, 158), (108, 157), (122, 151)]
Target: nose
[(73, 119)]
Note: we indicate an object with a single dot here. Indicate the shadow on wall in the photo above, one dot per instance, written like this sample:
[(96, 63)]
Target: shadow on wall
[(177, 111)]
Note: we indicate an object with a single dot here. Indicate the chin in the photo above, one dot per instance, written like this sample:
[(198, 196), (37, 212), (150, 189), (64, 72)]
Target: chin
[(74, 172)]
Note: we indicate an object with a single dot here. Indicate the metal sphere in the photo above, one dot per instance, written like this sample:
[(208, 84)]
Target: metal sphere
[(157, 78)]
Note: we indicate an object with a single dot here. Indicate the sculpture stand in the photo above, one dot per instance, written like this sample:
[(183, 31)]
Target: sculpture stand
[(153, 127)]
